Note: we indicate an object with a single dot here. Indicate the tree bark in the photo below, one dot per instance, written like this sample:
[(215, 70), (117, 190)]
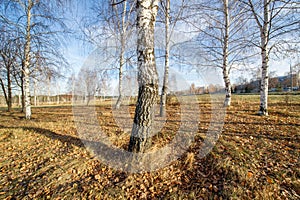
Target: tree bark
[(9, 90), (140, 139), (22, 92), (263, 23), (34, 92), (3, 89), (165, 87), (27, 62), (122, 60), (263, 109), (227, 101)]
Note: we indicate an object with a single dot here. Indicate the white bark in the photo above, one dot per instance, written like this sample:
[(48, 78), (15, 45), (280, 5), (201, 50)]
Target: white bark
[(140, 138), (34, 92), (227, 101), (165, 87), (263, 109), (122, 51), (27, 63), (147, 11), (276, 20)]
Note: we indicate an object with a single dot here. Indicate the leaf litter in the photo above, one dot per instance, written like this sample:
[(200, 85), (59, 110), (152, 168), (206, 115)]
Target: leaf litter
[(255, 158)]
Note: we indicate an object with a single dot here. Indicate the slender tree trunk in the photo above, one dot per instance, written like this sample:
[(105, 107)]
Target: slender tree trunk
[(27, 94), (263, 109), (227, 101), (122, 60), (120, 98), (27, 63), (140, 139), (165, 87), (34, 93), (22, 93), (9, 90), (4, 91)]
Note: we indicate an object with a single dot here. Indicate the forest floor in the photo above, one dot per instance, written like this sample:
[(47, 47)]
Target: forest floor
[(255, 157)]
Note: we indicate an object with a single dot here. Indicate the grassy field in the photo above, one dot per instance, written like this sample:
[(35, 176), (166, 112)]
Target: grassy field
[(255, 157)]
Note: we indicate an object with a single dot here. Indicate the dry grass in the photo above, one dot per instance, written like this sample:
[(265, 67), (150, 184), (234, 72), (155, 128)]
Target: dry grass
[(255, 158)]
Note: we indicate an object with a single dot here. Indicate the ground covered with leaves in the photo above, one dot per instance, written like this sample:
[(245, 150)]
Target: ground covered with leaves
[(255, 157)]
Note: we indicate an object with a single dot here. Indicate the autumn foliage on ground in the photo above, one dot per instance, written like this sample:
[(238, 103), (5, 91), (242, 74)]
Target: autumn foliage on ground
[(255, 157)]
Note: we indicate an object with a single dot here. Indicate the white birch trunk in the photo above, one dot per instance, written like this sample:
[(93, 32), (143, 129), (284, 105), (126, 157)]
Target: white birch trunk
[(140, 139), (264, 41), (122, 60), (34, 92), (27, 63), (227, 101), (263, 109), (165, 87)]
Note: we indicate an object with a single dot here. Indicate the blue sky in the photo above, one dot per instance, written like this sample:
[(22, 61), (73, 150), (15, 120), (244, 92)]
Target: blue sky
[(77, 51)]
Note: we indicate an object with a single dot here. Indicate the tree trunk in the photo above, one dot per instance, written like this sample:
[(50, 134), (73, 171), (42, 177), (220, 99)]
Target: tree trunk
[(122, 60), (165, 87), (227, 101), (27, 63), (22, 93), (4, 90), (140, 139), (27, 94), (8, 62), (9, 90), (263, 109), (120, 98), (34, 92)]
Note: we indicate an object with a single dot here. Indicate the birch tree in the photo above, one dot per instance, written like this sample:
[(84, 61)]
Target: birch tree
[(8, 52), (26, 64), (164, 91), (34, 21), (122, 26), (169, 29), (225, 54), (221, 41), (277, 22), (116, 22), (140, 139)]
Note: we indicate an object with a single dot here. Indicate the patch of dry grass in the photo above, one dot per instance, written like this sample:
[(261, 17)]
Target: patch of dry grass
[(255, 158)]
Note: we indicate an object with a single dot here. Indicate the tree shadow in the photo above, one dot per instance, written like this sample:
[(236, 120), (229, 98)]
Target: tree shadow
[(208, 181), (27, 184), (70, 140), (262, 135)]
